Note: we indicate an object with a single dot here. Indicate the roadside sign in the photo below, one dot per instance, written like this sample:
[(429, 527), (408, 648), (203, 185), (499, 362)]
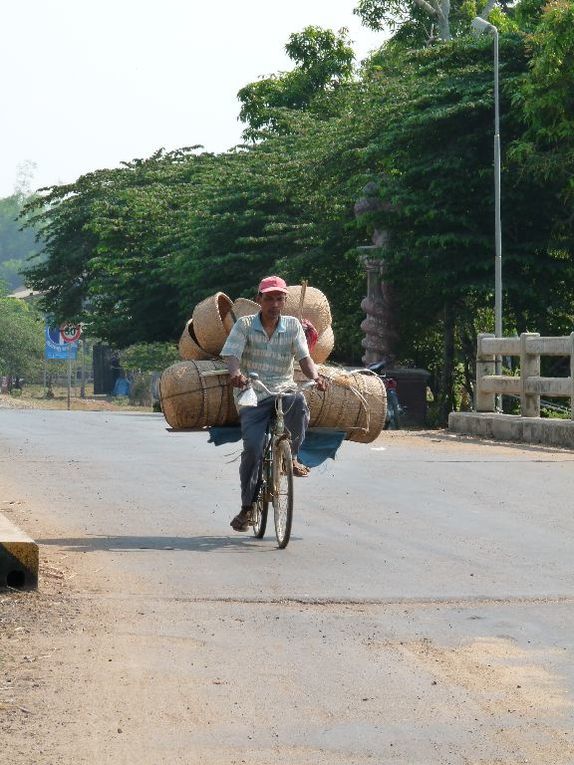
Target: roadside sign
[(70, 332), (56, 347)]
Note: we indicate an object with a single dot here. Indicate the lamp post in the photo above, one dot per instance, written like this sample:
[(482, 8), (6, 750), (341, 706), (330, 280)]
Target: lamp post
[(480, 25)]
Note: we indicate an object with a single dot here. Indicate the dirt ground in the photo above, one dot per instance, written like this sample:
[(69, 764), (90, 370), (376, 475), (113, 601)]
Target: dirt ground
[(36, 628), (60, 401), (31, 624)]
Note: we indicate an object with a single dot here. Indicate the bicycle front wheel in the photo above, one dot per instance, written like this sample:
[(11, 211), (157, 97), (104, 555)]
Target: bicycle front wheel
[(283, 492)]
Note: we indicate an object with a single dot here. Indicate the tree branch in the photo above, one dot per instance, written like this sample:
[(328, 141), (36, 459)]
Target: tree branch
[(431, 10), (487, 8)]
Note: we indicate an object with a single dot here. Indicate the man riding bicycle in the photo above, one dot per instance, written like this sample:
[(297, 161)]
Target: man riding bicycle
[(267, 343)]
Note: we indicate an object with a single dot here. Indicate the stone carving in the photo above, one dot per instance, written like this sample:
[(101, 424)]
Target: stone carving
[(380, 325), (372, 305)]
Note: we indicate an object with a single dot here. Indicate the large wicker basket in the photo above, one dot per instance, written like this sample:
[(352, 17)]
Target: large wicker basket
[(315, 307), (189, 400), (244, 307), (189, 348), (354, 402), (212, 322), (323, 347)]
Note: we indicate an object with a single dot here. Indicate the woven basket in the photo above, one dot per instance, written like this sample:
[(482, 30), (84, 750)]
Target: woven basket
[(189, 400), (354, 402), (228, 322), (244, 307), (189, 350), (323, 347), (315, 307), (208, 322)]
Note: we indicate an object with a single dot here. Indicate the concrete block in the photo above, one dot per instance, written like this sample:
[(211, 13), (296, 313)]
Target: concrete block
[(511, 427), (18, 557)]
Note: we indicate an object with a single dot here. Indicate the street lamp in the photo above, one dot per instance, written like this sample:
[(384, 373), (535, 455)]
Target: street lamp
[(480, 26)]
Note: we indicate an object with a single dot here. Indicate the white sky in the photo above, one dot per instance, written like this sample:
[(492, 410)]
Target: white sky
[(90, 83)]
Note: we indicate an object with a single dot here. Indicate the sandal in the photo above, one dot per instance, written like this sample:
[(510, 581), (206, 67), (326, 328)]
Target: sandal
[(300, 470), (242, 521)]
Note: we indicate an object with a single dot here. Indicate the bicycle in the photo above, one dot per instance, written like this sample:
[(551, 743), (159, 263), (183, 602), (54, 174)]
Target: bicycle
[(275, 482), (395, 410)]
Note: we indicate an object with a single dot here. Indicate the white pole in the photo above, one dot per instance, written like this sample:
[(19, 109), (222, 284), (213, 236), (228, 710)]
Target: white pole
[(69, 374), (497, 218), (480, 25), (497, 221), (83, 384)]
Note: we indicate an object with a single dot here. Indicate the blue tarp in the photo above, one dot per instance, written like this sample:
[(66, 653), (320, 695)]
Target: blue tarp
[(318, 446), (121, 387)]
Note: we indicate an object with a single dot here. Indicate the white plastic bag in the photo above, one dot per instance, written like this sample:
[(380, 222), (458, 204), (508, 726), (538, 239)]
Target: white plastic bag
[(247, 397)]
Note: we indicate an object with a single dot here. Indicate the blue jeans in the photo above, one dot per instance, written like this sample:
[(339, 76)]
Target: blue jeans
[(254, 421)]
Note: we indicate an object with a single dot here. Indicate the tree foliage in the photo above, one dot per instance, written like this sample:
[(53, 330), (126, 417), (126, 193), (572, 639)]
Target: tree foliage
[(419, 23), (546, 101), (323, 61), (16, 246), (21, 338), (149, 357), (435, 166)]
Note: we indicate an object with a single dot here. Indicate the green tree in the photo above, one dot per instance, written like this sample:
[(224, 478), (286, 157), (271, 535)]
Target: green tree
[(107, 238), (433, 161), (21, 338), (546, 101), (149, 357), (16, 246), (323, 62), (415, 23)]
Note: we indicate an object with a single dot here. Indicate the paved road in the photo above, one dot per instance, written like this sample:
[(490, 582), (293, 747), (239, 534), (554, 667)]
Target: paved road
[(421, 614)]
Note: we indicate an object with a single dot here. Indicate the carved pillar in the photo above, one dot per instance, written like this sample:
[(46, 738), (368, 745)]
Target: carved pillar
[(372, 305), (378, 341), (380, 326)]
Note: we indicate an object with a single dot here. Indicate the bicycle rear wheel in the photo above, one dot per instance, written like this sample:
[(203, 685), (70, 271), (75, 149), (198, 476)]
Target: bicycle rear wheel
[(283, 492), (394, 409), (261, 505)]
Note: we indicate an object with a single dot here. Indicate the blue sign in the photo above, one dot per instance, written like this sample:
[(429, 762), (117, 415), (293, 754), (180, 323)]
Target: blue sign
[(56, 347)]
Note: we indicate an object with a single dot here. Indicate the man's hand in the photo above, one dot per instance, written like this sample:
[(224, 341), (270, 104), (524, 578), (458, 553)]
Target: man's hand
[(310, 370), (235, 377), (238, 380)]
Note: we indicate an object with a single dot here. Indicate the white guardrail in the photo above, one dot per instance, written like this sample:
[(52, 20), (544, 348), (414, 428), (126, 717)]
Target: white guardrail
[(529, 386)]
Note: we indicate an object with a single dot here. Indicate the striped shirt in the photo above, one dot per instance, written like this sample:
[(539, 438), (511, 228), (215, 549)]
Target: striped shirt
[(270, 357)]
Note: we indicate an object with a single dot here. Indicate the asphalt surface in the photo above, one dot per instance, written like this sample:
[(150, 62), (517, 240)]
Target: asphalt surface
[(422, 612)]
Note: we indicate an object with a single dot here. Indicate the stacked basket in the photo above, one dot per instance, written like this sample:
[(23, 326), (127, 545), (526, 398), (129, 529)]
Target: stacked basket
[(310, 304), (207, 330), (212, 319), (194, 395)]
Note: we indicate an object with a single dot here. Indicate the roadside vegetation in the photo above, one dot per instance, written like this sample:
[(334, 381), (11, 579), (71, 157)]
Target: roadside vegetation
[(130, 251)]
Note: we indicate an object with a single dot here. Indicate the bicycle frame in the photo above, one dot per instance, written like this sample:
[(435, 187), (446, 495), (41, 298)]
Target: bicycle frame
[(276, 432), (266, 486), (275, 457)]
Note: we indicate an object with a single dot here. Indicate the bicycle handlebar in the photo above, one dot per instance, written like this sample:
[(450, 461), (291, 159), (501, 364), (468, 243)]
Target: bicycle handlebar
[(254, 378)]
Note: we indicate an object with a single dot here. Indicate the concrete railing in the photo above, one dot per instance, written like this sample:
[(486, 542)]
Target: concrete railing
[(529, 386)]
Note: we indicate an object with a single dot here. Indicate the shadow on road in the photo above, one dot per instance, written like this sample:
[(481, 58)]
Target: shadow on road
[(135, 544)]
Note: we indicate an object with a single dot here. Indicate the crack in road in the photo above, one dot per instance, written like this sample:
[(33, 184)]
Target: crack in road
[(465, 602)]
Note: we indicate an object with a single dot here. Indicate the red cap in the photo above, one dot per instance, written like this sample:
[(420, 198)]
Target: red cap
[(272, 284)]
